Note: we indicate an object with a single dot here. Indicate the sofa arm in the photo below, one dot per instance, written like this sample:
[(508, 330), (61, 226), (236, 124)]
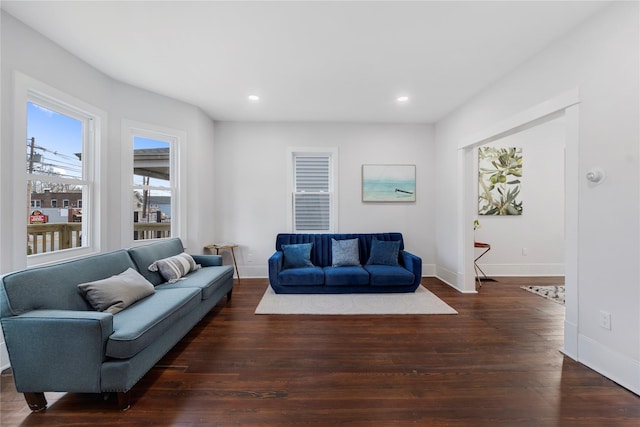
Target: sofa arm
[(208, 260), (413, 263), (57, 350), (275, 266)]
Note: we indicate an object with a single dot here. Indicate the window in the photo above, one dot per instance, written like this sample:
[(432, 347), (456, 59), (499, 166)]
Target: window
[(152, 191), (313, 188), (154, 203), (58, 163)]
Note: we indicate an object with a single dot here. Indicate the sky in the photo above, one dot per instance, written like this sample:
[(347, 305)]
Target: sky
[(58, 138)]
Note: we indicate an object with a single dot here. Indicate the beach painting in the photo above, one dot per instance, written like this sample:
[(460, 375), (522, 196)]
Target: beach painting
[(388, 183)]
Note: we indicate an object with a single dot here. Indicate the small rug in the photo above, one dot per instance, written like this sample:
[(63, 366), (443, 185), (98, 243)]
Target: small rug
[(555, 293), (422, 301)]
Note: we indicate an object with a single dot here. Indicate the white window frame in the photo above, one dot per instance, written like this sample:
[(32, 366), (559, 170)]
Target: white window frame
[(28, 89), (332, 153), (177, 140)]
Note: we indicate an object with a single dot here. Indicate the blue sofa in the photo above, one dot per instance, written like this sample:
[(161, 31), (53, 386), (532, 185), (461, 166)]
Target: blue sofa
[(378, 263), (57, 341)]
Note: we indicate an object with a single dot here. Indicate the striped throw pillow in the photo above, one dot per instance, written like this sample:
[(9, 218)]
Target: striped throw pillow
[(173, 268)]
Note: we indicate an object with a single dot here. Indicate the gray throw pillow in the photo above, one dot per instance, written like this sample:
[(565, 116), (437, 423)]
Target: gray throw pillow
[(344, 252), (118, 292), (173, 268)]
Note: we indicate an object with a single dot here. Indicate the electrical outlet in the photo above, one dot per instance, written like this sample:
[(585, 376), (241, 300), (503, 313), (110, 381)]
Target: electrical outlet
[(249, 257), (605, 320), (524, 252)]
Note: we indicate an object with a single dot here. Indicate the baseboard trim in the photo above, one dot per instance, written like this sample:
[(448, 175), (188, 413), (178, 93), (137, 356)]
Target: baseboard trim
[(523, 270), (619, 368), (4, 357), (453, 279), (570, 347)]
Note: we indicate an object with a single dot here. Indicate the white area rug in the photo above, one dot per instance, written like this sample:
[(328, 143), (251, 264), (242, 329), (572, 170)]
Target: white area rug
[(422, 301), (554, 293)]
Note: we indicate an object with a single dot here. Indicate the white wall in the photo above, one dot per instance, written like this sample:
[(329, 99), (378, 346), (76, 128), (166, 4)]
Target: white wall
[(250, 184), (600, 58), (540, 228), (26, 52)]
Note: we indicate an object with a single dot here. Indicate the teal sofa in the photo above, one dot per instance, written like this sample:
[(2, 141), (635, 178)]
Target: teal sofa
[(58, 342)]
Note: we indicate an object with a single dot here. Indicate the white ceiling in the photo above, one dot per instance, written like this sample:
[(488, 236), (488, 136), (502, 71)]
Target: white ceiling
[(308, 61)]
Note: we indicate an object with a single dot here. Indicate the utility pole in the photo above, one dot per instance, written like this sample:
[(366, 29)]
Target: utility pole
[(30, 189), (30, 170), (32, 147)]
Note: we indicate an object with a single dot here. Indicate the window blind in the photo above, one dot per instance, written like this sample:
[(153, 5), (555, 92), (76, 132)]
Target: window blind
[(312, 193)]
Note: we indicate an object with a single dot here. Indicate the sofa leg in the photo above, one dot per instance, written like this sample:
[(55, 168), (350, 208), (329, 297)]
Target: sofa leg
[(124, 400), (229, 295), (36, 401)]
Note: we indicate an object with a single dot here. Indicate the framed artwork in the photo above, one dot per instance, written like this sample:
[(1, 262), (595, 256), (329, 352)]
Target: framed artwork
[(499, 174), (388, 183)]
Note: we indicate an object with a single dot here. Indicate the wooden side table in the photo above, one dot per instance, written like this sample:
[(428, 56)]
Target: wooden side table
[(230, 246)]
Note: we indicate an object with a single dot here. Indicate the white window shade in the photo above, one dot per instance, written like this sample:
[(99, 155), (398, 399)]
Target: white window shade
[(312, 196)]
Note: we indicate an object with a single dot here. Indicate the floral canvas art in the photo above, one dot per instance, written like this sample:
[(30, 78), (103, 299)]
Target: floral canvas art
[(499, 174)]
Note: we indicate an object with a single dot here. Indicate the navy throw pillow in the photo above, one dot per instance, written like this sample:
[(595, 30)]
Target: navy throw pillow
[(298, 255), (384, 252)]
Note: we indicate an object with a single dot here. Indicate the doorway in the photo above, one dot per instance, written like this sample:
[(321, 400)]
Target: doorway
[(565, 105)]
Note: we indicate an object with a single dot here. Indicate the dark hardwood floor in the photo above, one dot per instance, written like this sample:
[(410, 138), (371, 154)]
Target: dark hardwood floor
[(496, 363)]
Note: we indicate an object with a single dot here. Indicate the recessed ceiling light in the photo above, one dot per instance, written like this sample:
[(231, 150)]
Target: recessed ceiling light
[(402, 99), (254, 98)]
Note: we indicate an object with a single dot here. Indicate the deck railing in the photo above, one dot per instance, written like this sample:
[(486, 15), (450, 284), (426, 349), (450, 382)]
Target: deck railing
[(151, 230), (52, 237)]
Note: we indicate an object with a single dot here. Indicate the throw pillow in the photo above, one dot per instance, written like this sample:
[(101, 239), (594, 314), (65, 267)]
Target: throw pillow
[(297, 255), (118, 292), (173, 268), (384, 252), (344, 252)]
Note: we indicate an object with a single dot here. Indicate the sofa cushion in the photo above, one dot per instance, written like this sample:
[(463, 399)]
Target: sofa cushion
[(142, 323), (117, 292), (208, 279), (311, 276), (174, 267), (384, 252), (345, 252), (297, 255), (386, 275), (345, 276)]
